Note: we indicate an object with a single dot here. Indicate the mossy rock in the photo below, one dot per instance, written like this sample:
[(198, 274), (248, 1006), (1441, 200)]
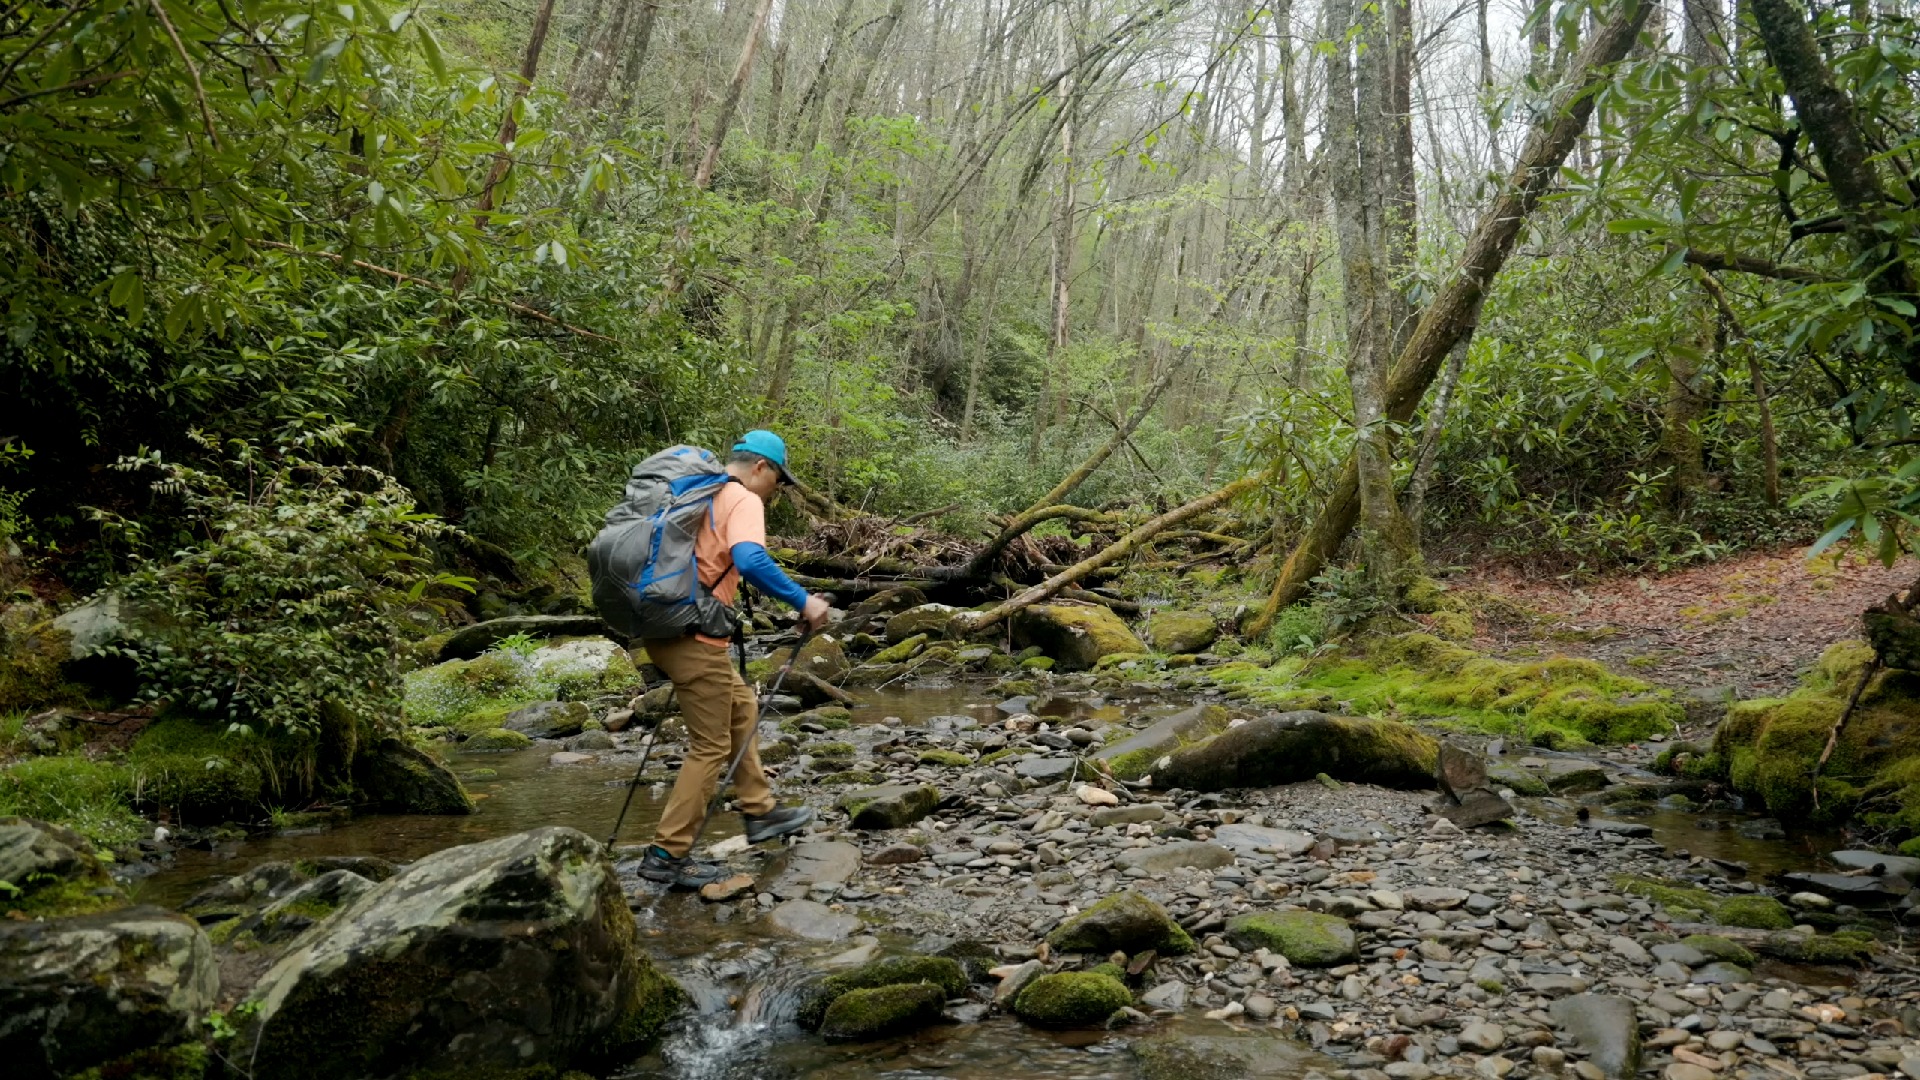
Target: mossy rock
[(497, 739), (831, 750), (1716, 947), (185, 1061), (900, 652), (894, 806), (1037, 663), (849, 777), (950, 759), (198, 773), (1126, 922), (1075, 635), (1306, 938), (1071, 999), (1292, 747), (52, 871), (941, 972), (396, 777), (926, 620), (1676, 899), (1181, 631), (883, 1010), (823, 657), (1520, 780), (1130, 755), (1843, 947), (1754, 913), (32, 650)]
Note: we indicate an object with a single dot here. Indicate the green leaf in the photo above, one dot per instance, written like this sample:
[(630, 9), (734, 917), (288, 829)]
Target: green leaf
[(1623, 226), (1831, 537), (430, 48)]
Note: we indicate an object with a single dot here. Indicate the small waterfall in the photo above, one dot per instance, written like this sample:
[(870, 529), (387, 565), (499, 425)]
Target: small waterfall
[(743, 1004)]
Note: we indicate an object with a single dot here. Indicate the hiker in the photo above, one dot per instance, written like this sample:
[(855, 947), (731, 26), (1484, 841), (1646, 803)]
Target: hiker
[(639, 562)]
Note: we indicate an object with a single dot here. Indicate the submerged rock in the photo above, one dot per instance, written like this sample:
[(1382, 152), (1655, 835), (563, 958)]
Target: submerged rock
[(1127, 922), (1291, 747), (53, 869), (1307, 938), (813, 921), (1075, 635), (1071, 999), (80, 992), (512, 953), (1257, 1056), (398, 778)]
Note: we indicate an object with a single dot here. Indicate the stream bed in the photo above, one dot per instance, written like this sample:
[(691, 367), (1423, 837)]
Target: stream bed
[(746, 983)]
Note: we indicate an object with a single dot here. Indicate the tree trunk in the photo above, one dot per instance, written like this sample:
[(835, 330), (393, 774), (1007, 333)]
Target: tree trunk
[(1429, 453), (509, 129), (641, 38), (1456, 308), (742, 71), (1680, 445), (1487, 101)]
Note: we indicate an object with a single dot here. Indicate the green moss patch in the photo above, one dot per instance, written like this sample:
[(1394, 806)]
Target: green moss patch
[(1754, 913), (951, 759), (1718, 948), (883, 1010), (1071, 999), (1307, 938), (1675, 898), (939, 971)]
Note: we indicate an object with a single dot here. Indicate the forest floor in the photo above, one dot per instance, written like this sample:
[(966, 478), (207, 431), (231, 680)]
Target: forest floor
[(1749, 624)]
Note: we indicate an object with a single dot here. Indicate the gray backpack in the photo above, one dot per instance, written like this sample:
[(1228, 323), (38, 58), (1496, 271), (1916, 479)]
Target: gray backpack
[(645, 581)]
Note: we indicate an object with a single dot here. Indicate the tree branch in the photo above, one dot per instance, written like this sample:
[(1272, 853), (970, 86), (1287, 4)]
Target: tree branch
[(1747, 264)]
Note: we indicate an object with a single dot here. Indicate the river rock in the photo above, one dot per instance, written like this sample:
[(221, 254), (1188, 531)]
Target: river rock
[(1177, 632), (548, 719), (1434, 897), (83, 991), (1459, 770), (54, 870), (1291, 747), (470, 641), (1307, 938), (1475, 807), (940, 972), (1242, 839), (505, 954), (1860, 891), (1605, 1027), (795, 871), (395, 777), (1878, 863), (1071, 999), (813, 921), (1253, 1056), (1180, 855), (291, 915), (823, 658), (1571, 777), (883, 1010), (1046, 770), (894, 806), (1135, 756), (1076, 636), (1137, 814), (929, 619), (1126, 922)]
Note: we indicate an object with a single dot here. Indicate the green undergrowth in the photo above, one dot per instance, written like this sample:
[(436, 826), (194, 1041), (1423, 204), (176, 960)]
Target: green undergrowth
[(1557, 702), (91, 797), (1770, 748)]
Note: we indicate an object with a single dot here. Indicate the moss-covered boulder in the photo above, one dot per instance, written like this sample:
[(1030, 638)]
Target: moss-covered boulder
[(1136, 755), (929, 620), (293, 914), (33, 649), (1840, 947), (1071, 999), (1767, 749), (1288, 748), (548, 719), (885, 602), (1075, 635), (510, 954), (901, 652), (1306, 938), (1754, 913), (949, 759), (1127, 922), (943, 973), (470, 641), (497, 739), (83, 991), (1715, 947), (824, 658), (883, 1010), (894, 806), (1181, 631), (397, 777), (198, 773), (51, 870)]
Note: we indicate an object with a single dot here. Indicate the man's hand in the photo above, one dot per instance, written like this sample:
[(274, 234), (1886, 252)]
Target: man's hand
[(814, 615)]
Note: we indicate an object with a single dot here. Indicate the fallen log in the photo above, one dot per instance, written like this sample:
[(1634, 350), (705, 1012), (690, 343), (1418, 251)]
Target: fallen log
[(1119, 549), (1452, 315)]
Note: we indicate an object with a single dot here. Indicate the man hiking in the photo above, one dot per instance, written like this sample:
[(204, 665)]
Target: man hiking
[(726, 517)]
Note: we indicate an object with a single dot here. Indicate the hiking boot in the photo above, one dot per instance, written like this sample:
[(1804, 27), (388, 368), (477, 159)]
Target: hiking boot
[(683, 872), (777, 822)]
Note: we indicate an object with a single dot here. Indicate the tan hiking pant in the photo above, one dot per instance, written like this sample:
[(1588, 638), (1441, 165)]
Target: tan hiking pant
[(720, 712)]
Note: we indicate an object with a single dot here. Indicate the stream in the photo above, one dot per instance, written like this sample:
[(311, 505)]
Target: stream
[(745, 984)]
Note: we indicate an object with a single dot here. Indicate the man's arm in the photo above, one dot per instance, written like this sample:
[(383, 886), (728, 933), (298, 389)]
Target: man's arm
[(759, 570)]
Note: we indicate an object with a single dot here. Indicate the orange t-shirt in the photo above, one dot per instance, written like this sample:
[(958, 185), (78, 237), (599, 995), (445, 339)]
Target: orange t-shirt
[(736, 517)]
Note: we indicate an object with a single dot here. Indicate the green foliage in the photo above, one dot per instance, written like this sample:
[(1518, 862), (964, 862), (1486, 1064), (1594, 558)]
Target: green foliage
[(280, 617), (91, 797)]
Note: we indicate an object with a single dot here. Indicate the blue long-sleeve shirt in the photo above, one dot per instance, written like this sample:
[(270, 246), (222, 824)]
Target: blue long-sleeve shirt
[(758, 569)]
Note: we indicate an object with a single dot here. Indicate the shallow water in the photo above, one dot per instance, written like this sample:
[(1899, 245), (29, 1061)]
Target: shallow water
[(746, 987)]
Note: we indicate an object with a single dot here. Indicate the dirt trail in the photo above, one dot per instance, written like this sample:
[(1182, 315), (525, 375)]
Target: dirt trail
[(1750, 623)]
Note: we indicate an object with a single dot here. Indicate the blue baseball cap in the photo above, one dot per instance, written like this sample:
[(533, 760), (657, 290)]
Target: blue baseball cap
[(769, 446)]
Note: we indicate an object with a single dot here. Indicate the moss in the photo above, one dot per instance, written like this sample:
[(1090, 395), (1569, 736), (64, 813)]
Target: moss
[(497, 739), (1075, 635), (1125, 921), (1114, 660), (1181, 631), (1754, 913), (1911, 847), (1111, 970), (1307, 938), (1452, 625), (31, 652), (1719, 948), (951, 759), (186, 1061), (200, 773), (831, 750), (883, 1010), (1844, 947), (905, 650), (1037, 663), (849, 777), (940, 971), (1001, 755), (1492, 986), (1675, 898), (1071, 999)]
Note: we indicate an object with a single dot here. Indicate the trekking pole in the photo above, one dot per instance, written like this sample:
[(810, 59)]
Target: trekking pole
[(652, 738), (753, 737)]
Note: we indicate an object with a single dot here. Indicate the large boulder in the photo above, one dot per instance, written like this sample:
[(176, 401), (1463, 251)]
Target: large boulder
[(470, 641), (1181, 631), (823, 658), (1290, 747), (929, 619), (53, 869), (509, 954), (550, 719), (397, 777), (1135, 756), (85, 991), (1075, 635), (1126, 921)]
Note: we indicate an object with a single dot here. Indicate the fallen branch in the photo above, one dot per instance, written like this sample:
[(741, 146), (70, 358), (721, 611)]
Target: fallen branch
[(1833, 733), (926, 515), (1078, 476), (1027, 519), (409, 279), (1119, 549)]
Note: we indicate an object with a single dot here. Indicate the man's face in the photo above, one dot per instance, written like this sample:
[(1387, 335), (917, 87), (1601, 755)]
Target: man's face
[(763, 480)]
